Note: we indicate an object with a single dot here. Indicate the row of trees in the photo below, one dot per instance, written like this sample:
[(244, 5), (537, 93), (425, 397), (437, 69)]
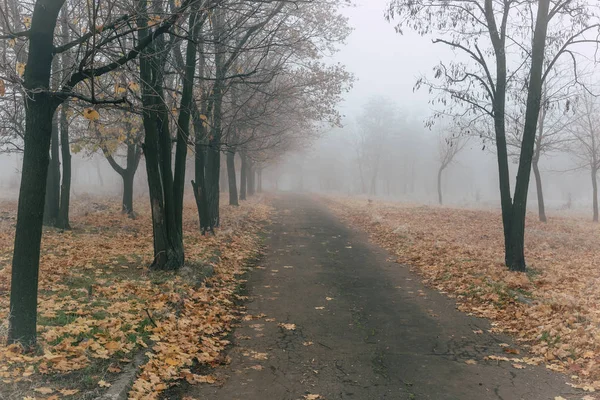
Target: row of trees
[(509, 51), (168, 82)]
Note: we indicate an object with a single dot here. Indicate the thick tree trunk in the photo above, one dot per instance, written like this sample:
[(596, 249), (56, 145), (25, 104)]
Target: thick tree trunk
[(65, 187), (539, 190), (168, 242), (199, 185), (595, 193), (231, 178), (39, 110), (213, 156), (127, 204), (439, 185), (52, 200), (243, 176), (515, 251)]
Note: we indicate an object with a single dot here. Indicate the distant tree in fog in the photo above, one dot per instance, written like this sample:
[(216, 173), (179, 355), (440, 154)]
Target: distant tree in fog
[(585, 147), (449, 145), (377, 125)]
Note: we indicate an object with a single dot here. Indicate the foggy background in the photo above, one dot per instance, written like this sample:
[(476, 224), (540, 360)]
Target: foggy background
[(386, 66)]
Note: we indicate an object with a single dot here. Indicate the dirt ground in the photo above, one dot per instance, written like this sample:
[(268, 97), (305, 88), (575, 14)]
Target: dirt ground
[(331, 316)]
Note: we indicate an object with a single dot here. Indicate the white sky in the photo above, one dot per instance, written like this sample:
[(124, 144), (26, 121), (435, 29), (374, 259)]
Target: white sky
[(385, 62)]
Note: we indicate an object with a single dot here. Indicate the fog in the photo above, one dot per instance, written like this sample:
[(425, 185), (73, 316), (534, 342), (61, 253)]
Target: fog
[(386, 66)]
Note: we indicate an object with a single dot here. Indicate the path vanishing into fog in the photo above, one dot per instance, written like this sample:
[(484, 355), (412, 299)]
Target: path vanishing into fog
[(365, 327)]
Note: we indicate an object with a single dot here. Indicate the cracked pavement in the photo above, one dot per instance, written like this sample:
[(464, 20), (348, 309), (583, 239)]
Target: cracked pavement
[(366, 327)]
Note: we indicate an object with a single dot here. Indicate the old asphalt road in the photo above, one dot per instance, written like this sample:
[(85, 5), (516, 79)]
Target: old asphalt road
[(365, 327)]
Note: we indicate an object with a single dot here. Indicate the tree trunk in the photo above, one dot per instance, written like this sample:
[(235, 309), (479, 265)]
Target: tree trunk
[(127, 205), (232, 180), (259, 179), (250, 179), (515, 251), (538, 187), (39, 111), (595, 193), (243, 176), (65, 188), (439, 185), (373, 188), (65, 146), (199, 185), (168, 242), (183, 121), (213, 156), (52, 199)]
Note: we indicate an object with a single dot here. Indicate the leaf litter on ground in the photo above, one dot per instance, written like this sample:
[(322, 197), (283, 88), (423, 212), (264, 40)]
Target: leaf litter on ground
[(99, 305)]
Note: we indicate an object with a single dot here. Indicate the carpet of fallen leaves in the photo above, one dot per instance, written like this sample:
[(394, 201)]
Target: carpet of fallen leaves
[(553, 309), (100, 307)]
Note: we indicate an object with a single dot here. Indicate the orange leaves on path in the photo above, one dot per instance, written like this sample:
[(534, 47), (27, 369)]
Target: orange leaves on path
[(554, 309)]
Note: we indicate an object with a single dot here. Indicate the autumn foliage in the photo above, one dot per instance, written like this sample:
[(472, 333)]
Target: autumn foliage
[(100, 307), (552, 310)]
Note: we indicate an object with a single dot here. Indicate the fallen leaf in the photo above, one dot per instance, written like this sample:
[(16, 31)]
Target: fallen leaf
[(44, 390)]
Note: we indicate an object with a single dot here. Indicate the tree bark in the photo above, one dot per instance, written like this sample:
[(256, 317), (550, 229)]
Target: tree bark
[(65, 145), (231, 178), (250, 179), (439, 185), (52, 200), (515, 251), (539, 190), (259, 179), (183, 121), (243, 176), (168, 242), (595, 193), (39, 111), (127, 203), (65, 187), (199, 185)]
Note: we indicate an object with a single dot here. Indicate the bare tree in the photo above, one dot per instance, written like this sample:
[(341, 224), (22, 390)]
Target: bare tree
[(585, 147), (449, 145), (489, 33)]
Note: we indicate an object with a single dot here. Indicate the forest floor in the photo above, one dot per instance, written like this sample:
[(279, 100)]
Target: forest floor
[(333, 316), (101, 310)]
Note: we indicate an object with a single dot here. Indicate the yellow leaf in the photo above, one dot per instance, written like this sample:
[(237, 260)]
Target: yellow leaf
[(20, 68), (171, 361), (91, 114), (68, 392), (2, 88), (119, 89), (471, 362), (289, 327), (103, 383), (43, 390), (27, 22)]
